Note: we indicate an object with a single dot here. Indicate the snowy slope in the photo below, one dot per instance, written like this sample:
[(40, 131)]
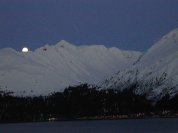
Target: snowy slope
[(54, 67), (155, 73), (167, 45)]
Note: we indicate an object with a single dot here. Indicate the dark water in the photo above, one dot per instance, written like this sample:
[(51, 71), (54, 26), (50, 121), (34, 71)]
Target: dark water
[(99, 126)]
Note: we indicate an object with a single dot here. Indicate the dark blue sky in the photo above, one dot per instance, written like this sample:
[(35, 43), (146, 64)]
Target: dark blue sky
[(127, 24)]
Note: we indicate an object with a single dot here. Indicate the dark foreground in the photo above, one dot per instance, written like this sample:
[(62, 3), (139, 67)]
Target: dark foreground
[(84, 102), (168, 125)]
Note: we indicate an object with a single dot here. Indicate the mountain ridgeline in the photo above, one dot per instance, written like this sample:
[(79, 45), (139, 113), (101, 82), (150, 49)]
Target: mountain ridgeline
[(52, 68)]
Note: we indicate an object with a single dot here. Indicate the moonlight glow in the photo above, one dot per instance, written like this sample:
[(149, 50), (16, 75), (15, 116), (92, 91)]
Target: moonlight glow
[(25, 50)]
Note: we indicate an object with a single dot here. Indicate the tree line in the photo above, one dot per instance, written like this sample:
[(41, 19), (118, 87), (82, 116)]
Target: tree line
[(82, 101)]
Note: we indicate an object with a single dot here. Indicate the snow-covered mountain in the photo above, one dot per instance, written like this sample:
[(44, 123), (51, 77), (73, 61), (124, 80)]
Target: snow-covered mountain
[(54, 67), (155, 73)]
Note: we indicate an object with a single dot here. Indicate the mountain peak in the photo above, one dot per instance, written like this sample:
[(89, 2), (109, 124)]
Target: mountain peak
[(166, 46), (59, 45), (171, 35), (170, 38), (64, 43)]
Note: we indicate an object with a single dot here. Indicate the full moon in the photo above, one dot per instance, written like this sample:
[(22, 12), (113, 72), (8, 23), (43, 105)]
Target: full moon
[(25, 50)]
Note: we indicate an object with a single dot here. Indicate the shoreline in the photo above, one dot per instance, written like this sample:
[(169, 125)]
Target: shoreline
[(92, 119)]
